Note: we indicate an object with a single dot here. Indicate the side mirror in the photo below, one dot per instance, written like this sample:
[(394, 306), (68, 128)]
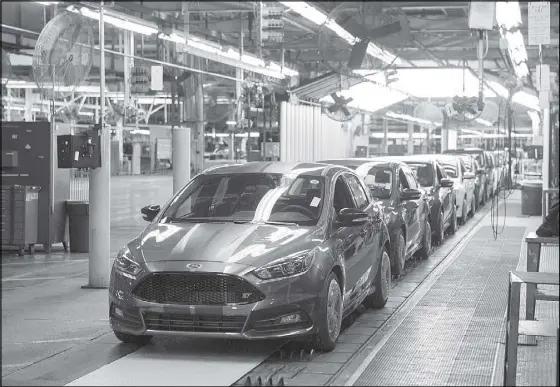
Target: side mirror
[(446, 183), (481, 171), (468, 176), (351, 217), (150, 212), (410, 194)]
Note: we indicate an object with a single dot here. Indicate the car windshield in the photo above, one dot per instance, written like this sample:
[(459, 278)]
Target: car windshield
[(249, 197), (379, 181), (449, 168), (424, 173)]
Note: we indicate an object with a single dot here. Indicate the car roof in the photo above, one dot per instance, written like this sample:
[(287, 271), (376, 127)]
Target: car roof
[(465, 150), (355, 162), (419, 158), (312, 169)]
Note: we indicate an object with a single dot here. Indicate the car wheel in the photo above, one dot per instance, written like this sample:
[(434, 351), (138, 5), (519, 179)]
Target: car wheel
[(453, 225), (330, 316), (426, 249), (399, 255), (132, 339), (382, 284), (440, 230), (464, 211)]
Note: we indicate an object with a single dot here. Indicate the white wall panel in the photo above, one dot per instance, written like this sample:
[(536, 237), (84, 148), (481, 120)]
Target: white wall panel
[(308, 135)]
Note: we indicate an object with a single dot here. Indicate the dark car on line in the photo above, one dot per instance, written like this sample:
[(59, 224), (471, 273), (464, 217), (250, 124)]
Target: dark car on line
[(485, 171), (439, 188), (259, 250), (405, 206)]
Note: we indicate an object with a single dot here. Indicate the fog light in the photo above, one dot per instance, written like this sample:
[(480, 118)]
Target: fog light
[(290, 319), (119, 312)]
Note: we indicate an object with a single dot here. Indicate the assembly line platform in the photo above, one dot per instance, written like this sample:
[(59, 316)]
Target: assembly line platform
[(444, 323)]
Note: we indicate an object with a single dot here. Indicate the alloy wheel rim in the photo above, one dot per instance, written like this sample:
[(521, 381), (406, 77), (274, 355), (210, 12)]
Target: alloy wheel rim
[(334, 306)]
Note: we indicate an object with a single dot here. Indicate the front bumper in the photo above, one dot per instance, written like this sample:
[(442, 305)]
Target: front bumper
[(258, 320)]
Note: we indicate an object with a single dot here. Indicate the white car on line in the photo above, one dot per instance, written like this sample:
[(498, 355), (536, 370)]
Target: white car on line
[(464, 184)]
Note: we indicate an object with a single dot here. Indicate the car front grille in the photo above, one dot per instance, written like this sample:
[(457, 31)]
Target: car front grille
[(197, 289), (193, 323)]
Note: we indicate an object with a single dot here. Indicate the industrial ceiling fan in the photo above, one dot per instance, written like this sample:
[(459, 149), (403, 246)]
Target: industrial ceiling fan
[(339, 110), (63, 57)]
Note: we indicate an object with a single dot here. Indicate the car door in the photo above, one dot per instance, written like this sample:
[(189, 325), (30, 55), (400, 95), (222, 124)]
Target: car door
[(467, 183), (409, 208), (346, 239), (445, 195), (368, 235)]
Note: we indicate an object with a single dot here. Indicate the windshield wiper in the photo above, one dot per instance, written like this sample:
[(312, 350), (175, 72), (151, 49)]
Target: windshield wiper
[(279, 223), (197, 220)]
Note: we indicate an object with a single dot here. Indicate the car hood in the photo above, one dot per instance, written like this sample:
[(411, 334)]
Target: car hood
[(246, 244)]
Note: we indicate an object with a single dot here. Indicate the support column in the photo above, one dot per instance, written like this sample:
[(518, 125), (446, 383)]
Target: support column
[(546, 129), (128, 49), (239, 106), (385, 136), (28, 116), (136, 157), (100, 190), (199, 114), (410, 138), (9, 105), (181, 134)]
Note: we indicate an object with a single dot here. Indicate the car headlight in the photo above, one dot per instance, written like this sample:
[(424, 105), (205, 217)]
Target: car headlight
[(126, 264), (285, 267)]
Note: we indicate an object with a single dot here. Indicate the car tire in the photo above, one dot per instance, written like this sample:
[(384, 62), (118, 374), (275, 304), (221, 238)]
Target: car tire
[(464, 212), (382, 282), (453, 226), (426, 249), (132, 339), (327, 335), (439, 235), (398, 255)]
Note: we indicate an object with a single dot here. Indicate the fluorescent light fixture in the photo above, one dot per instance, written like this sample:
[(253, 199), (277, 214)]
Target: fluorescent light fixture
[(227, 55), (435, 82), (404, 136), (369, 97), (47, 2), (307, 11), (494, 135), (115, 21), (484, 122), (193, 45), (406, 117), (19, 84), (145, 132), (231, 123), (508, 14), (474, 132), (315, 16)]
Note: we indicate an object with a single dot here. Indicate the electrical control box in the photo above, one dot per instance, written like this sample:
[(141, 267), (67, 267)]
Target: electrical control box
[(79, 150)]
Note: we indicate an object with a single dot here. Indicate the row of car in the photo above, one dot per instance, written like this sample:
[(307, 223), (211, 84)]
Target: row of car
[(276, 250)]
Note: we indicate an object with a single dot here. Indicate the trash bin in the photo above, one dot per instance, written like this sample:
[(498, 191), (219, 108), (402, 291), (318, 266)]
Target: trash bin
[(78, 214), (531, 197)]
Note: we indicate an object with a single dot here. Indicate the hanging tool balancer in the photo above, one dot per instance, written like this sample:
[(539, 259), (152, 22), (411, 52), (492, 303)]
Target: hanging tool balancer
[(80, 151)]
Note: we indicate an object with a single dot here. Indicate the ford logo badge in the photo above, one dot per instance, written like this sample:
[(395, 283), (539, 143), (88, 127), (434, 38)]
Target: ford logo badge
[(194, 266)]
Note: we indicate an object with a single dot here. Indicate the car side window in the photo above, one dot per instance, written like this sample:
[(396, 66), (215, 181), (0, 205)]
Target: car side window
[(342, 196), (440, 174), (463, 170), (411, 179), (403, 181), (489, 161), (358, 191)]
